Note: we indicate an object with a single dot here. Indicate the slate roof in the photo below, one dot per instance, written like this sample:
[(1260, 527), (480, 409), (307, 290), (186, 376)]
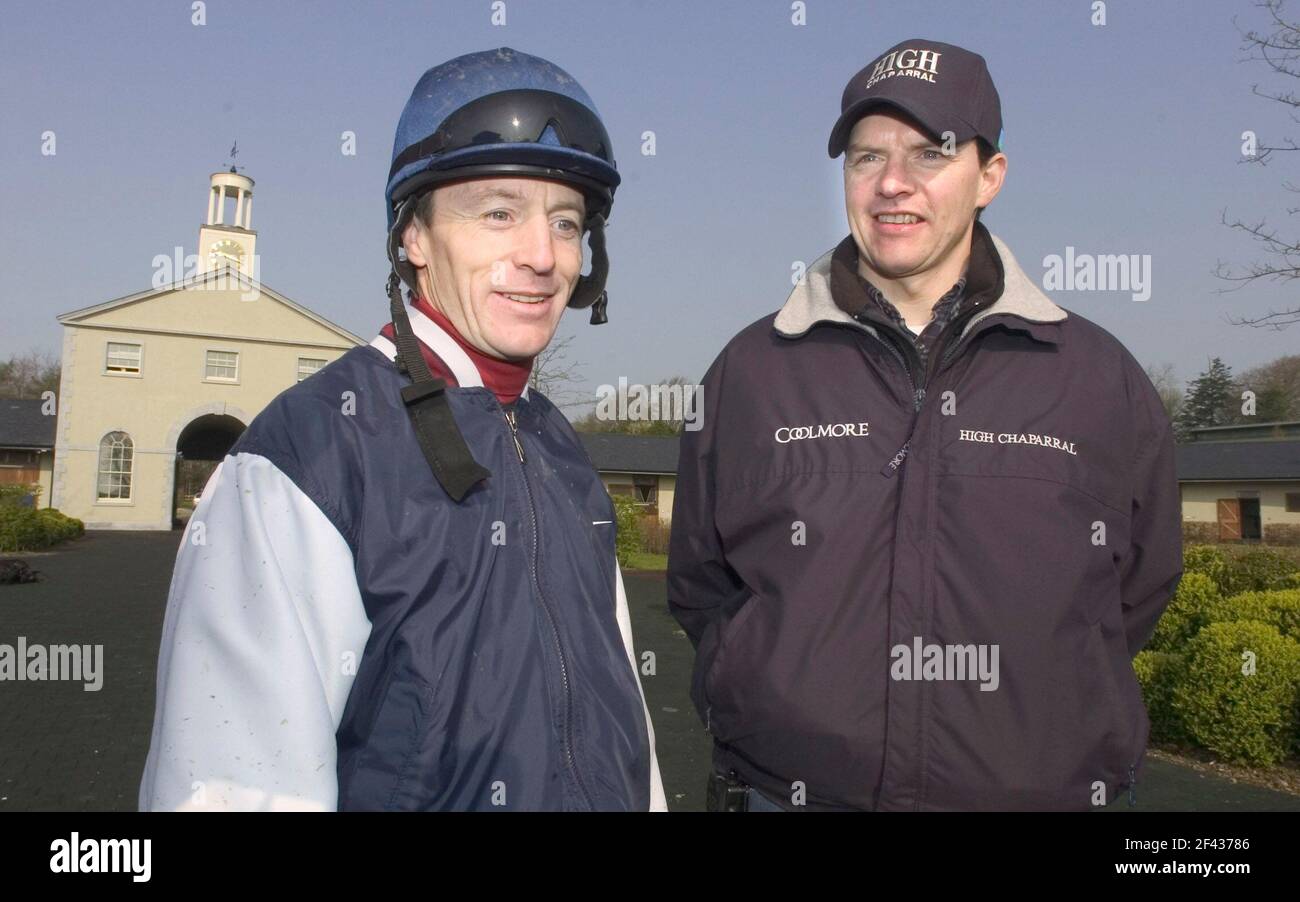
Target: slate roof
[(1225, 461), (22, 425), (612, 452)]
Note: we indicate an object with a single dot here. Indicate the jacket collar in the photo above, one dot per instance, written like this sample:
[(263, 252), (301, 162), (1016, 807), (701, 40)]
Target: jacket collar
[(441, 347), (998, 287)]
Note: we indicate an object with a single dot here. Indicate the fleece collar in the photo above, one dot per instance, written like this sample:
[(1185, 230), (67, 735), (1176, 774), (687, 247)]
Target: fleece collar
[(811, 302)]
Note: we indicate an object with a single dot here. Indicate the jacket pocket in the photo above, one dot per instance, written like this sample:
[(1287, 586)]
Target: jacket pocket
[(1128, 712), (392, 774), (718, 707)]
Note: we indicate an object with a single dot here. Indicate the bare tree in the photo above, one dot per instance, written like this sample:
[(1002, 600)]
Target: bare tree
[(1278, 48), (669, 419), (28, 375), (1276, 386), (553, 374), (1165, 380)]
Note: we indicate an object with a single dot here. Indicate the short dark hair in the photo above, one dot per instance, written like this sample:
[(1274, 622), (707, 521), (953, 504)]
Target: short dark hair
[(986, 152), (424, 209)]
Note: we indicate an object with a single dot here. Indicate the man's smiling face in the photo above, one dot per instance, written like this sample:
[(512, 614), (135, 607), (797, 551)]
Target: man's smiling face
[(911, 208), (500, 259)]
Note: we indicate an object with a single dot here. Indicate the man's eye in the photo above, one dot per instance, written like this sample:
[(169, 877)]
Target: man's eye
[(567, 225), (933, 154), (505, 215)]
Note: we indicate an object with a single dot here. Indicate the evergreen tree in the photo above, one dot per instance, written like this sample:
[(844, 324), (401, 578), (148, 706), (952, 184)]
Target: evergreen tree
[(1209, 400)]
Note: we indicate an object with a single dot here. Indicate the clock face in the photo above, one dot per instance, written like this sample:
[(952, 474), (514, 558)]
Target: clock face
[(226, 252)]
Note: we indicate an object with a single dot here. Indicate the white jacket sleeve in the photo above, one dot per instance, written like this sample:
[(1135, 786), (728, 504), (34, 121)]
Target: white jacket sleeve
[(657, 800), (262, 636)]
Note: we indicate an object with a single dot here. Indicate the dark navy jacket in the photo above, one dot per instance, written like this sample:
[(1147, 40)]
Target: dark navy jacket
[(920, 585), (496, 670)]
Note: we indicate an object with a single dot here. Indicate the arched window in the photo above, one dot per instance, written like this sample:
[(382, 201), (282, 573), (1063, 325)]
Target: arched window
[(115, 453)]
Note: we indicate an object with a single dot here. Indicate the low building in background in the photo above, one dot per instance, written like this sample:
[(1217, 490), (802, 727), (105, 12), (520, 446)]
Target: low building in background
[(1241, 484), (27, 445), (642, 466)]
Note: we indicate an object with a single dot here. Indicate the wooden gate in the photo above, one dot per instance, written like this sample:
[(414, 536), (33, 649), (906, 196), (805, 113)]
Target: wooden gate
[(1229, 514)]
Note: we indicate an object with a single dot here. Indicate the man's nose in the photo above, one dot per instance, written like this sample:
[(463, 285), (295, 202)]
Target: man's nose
[(895, 177), (536, 248)]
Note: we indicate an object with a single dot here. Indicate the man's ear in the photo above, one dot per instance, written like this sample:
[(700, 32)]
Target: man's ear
[(991, 179), (411, 242)]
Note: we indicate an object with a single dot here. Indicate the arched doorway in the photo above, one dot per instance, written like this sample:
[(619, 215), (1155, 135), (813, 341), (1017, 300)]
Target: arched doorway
[(201, 445)]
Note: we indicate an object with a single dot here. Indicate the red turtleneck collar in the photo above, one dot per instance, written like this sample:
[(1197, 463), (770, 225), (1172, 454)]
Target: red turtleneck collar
[(504, 378)]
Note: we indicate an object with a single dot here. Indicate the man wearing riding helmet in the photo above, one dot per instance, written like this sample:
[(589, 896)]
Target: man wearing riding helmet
[(408, 598)]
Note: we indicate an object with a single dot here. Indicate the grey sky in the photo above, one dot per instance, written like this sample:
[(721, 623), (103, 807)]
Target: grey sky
[(1121, 139)]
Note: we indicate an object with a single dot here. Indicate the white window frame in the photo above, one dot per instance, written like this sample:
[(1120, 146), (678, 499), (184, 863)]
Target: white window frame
[(323, 364), (224, 380), (132, 374), (653, 486), (128, 470)]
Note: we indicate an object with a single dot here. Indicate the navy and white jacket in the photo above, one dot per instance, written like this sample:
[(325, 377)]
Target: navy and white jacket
[(341, 635)]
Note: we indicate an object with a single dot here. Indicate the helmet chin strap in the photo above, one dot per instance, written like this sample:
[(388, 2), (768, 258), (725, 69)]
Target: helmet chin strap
[(590, 291), (425, 397)]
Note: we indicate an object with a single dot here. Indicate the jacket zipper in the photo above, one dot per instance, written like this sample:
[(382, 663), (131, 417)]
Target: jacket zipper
[(918, 393), (918, 398), (514, 433), (550, 617)]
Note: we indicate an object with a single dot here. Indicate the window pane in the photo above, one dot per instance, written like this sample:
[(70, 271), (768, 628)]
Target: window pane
[(114, 477), (307, 366), (122, 357), (222, 365)]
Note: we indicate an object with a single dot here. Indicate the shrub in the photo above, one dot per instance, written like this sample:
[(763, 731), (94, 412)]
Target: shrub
[(1209, 560), (1159, 673), (627, 537), (24, 529), (1280, 609), (1259, 570), (1244, 717), (16, 494), (1187, 612)]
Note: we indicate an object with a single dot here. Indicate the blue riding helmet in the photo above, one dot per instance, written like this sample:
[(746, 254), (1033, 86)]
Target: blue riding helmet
[(502, 112)]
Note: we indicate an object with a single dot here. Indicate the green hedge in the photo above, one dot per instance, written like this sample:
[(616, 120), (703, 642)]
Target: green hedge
[(1256, 570), (1279, 609), (1260, 570), (1248, 718), (1159, 673), (24, 529), (1188, 611), (627, 537), (1209, 561), (12, 493), (1191, 673)]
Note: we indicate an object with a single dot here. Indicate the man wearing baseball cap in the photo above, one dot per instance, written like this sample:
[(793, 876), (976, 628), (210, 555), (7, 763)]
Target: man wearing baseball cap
[(931, 516)]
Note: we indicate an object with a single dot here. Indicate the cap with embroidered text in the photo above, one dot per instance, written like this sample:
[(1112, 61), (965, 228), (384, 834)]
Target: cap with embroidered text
[(945, 88)]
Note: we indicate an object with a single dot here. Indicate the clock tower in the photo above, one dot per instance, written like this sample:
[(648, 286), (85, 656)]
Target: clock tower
[(228, 242)]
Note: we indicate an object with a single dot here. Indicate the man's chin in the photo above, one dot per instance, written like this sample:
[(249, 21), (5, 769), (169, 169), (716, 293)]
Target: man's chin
[(896, 266), (522, 346)]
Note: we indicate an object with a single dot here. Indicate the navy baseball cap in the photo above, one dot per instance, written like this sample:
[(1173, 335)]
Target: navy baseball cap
[(943, 87)]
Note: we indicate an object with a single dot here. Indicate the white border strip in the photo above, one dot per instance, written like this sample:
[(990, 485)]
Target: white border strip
[(440, 343), (386, 347)]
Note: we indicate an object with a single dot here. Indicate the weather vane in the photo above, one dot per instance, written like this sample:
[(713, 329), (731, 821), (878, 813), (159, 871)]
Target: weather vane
[(234, 151)]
